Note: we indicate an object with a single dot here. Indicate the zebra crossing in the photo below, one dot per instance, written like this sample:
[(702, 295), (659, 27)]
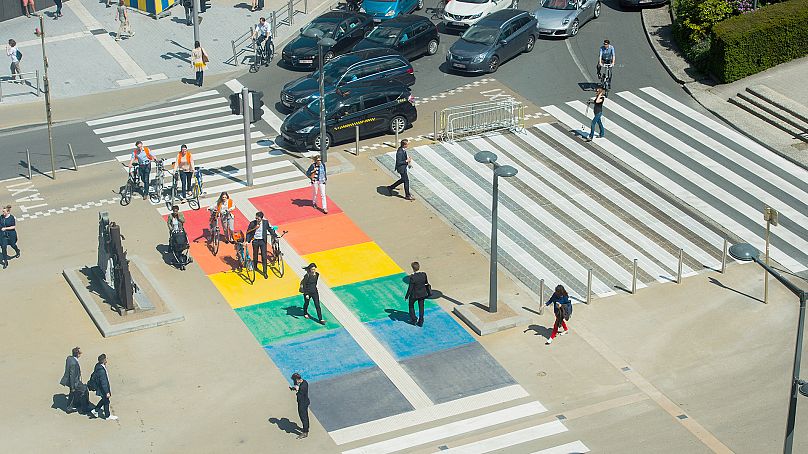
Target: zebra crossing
[(215, 137)]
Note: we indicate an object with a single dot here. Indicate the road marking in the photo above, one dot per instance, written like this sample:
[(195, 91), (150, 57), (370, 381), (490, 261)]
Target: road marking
[(269, 116), (191, 145), (155, 112), (178, 138), (453, 429), (577, 61), (162, 120), (70, 209), (201, 94), (219, 174), (427, 414), (54, 39), (509, 439), (171, 128), (575, 447)]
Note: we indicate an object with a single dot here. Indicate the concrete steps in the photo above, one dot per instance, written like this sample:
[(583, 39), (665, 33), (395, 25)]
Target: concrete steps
[(775, 109)]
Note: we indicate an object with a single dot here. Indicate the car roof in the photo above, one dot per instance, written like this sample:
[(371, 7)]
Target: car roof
[(339, 15), (501, 16), (359, 55), (390, 88), (406, 19)]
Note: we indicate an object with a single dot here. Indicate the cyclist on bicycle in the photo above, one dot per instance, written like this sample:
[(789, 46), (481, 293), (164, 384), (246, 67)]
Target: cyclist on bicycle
[(605, 56), (144, 158), (224, 209), (185, 165), (262, 33)]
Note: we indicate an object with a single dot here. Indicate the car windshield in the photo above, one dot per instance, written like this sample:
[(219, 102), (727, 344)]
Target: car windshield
[(384, 35), (481, 35), (326, 26), (331, 102), (559, 4), (473, 1)]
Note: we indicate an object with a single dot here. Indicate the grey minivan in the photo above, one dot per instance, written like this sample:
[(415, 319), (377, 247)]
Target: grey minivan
[(492, 41)]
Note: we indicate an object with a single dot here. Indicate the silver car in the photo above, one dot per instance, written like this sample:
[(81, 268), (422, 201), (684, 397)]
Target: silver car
[(565, 17)]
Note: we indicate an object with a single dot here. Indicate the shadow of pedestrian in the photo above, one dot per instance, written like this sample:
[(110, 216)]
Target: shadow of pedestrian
[(294, 311), (285, 425), (539, 330), (397, 315), (60, 402), (301, 202), (165, 253)]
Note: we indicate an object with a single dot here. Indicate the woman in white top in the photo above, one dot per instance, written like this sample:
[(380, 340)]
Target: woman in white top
[(11, 51), (224, 207), (199, 59)]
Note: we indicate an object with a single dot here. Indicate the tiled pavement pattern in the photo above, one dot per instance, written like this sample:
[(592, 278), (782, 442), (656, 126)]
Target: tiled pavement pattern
[(362, 290)]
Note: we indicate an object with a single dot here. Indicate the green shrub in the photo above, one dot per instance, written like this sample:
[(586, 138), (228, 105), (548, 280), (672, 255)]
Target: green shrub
[(749, 43)]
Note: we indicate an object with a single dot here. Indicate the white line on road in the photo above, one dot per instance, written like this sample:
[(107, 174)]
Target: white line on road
[(575, 447), (155, 112), (54, 39), (179, 138), (172, 151), (144, 133), (163, 120), (509, 439)]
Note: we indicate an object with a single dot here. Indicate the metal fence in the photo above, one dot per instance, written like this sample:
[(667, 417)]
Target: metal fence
[(25, 77), (461, 121), (281, 16)]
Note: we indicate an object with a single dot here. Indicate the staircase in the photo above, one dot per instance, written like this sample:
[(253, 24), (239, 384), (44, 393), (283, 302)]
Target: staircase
[(775, 109)]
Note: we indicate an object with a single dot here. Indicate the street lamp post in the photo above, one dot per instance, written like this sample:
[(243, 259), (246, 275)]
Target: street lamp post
[(322, 41), (747, 252), (40, 32), (487, 157)]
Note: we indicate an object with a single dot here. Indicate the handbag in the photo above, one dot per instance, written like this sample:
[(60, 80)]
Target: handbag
[(205, 58)]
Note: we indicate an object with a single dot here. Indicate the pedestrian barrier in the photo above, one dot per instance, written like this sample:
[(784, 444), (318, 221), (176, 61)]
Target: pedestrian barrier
[(471, 119), (281, 16), (26, 77), (244, 43)]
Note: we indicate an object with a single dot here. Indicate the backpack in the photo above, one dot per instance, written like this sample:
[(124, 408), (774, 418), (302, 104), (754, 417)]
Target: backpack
[(91, 383), (19, 55)]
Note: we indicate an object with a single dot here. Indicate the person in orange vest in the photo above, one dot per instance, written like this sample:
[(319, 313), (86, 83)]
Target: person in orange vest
[(185, 166), (144, 158), (223, 208)]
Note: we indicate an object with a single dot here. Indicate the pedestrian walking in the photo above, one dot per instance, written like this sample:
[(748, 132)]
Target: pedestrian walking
[(8, 235), (308, 287), (199, 59), (257, 233), (78, 398), (562, 308), (122, 16), (15, 56), (254, 6), (144, 158), (418, 290), (403, 162), (185, 166), (302, 388), (316, 172), (29, 7), (99, 382), (598, 109), (58, 13)]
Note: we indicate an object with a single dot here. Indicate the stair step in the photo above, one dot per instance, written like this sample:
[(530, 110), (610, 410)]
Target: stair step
[(774, 110), (784, 103), (755, 109)]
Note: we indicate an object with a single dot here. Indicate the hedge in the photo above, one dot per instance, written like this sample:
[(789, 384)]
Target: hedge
[(749, 43)]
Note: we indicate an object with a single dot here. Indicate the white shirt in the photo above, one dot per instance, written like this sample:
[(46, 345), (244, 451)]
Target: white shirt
[(12, 53), (259, 232), (262, 30)]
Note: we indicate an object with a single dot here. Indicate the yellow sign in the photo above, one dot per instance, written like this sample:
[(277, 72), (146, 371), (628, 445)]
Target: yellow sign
[(355, 123)]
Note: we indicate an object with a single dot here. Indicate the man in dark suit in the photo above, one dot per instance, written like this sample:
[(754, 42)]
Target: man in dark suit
[(100, 379), (418, 290), (257, 232), (403, 162), (302, 388), (77, 399)]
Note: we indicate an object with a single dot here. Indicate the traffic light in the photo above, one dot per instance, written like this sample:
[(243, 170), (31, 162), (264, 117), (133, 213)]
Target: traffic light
[(235, 103), (257, 103)]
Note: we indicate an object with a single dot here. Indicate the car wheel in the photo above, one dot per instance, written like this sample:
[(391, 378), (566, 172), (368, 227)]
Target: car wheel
[(574, 28), (398, 124), (531, 43), (597, 10), (420, 5), (432, 47), (493, 64), (327, 141), (328, 56)]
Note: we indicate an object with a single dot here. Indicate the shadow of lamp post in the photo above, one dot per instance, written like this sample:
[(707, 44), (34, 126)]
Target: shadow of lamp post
[(322, 41)]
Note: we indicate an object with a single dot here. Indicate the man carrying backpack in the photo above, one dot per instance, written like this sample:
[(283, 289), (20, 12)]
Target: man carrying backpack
[(15, 55), (99, 382)]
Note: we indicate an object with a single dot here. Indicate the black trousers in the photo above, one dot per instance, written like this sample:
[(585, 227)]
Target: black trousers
[(259, 246), (104, 402), (199, 76), (404, 179), (144, 172), (185, 179), (4, 244), (420, 310), (303, 412), (312, 296)]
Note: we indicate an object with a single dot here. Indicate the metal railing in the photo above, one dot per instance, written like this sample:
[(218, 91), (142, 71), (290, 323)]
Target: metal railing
[(25, 77), (476, 118), (239, 46), (281, 16)]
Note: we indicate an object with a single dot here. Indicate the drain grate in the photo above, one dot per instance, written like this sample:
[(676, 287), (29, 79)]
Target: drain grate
[(98, 31)]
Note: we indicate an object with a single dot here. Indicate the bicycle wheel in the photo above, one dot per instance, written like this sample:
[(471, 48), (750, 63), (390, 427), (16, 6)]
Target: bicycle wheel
[(193, 201), (270, 52), (277, 259), (250, 267), (126, 193)]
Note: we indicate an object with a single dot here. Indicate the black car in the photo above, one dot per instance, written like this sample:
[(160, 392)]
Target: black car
[(371, 67), (492, 41), (411, 35), (345, 27), (374, 110)]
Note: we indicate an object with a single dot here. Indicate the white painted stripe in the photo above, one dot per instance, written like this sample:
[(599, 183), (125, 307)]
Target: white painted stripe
[(221, 174), (155, 112), (179, 138), (575, 447), (239, 160), (683, 194), (54, 39), (509, 439), (759, 171), (241, 184), (208, 199), (144, 134), (172, 150), (744, 207), (482, 224), (638, 188), (517, 223), (269, 116), (201, 94), (163, 120), (538, 212), (427, 414), (453, 429), (201, 158), (782, 163), (591, 224)]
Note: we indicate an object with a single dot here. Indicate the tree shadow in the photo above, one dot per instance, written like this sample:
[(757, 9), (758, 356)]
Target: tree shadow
[(287, 426), (294, 311), (715, 281), (539, 330), (397, 315)]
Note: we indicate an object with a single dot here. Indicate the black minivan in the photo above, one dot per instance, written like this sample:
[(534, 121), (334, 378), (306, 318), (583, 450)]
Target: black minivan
[(375, 110), (371, 67), (409, 34)]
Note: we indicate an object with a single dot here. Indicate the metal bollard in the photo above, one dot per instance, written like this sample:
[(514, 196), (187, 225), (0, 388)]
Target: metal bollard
[(72, 157), (435, 126), (235, 57), (679, 272), (634, 278), (305, 6), (291, 12), (541, 296), (357, 140), (589, 286), (724, 257), (273, 23), (395, 145), (37, 84), (28, 160)]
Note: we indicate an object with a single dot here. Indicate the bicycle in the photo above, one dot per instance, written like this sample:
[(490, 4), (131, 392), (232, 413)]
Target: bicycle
[(263, 53), (132, 182), (243, 256), (213, 229), (276, 261), (196, 189), (606, 77), (175, 178), (158, 185)]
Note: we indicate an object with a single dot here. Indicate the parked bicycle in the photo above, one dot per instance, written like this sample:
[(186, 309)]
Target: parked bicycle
[(276, 260), (132, 182), (245, 263), (196, 189), (215, 230), (158, 185)]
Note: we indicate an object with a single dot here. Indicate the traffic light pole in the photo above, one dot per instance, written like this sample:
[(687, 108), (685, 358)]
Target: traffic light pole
[(245, 112)]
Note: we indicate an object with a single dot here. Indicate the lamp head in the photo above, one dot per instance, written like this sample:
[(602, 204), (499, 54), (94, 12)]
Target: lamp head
[(743, 252), (485, 157), (505, 171), (327, 42), (315, 33)]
